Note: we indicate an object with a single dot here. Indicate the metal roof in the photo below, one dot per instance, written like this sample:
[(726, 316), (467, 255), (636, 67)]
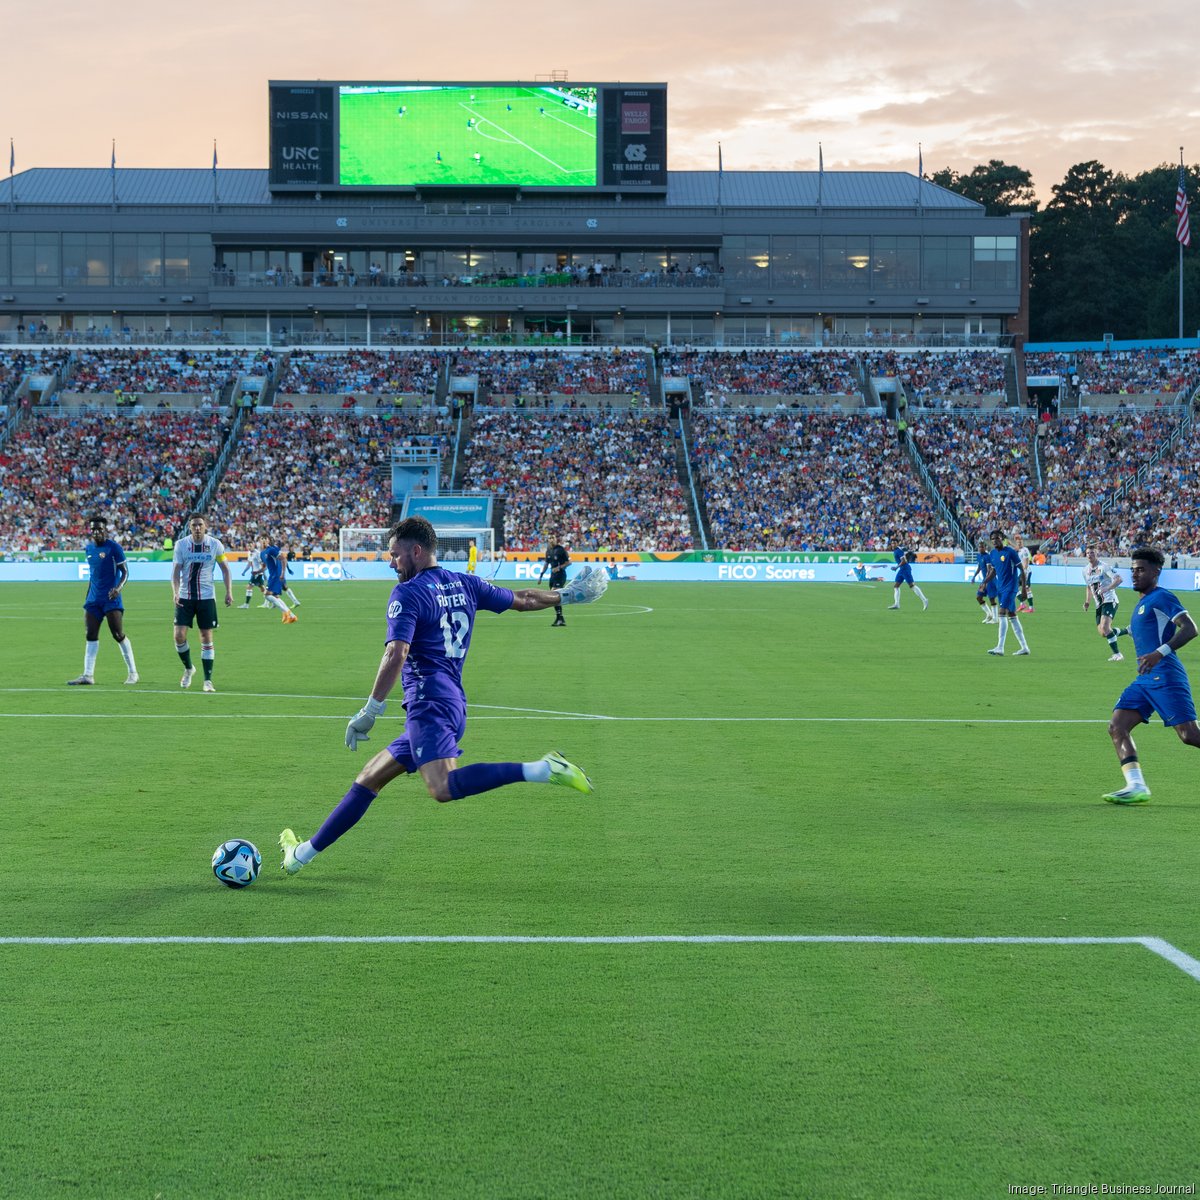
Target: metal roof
[(733, 189)]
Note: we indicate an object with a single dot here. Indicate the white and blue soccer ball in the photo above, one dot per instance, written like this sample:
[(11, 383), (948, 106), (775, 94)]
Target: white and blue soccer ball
[(236, 863)]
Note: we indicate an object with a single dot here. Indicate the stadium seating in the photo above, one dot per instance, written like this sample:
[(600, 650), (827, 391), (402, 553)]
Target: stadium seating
[(719, 375), (944, 377), (593, 478), (362, 372), (159, 372), (548, 372), (297, 477), (142, 471), (810, 481)]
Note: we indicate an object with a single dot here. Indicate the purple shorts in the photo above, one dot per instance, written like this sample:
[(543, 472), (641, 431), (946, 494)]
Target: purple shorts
[(432, 729)]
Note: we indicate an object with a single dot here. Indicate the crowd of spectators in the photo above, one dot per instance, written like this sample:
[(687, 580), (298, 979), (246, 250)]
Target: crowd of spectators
[(298, 477), (1146, 372), (142, 471), (373, 372), (786, 480), (16, 364), (154, 372), (592, 478), (932, 375), (719, 374), (981, 465), (550, 372)]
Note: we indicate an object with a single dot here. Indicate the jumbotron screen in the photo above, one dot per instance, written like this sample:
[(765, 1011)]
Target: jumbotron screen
[(468, 135)]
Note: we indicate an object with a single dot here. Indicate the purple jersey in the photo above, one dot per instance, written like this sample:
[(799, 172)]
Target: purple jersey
[(434, 612)]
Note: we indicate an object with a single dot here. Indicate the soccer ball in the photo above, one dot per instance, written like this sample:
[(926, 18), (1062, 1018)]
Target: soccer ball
[(236, 863)]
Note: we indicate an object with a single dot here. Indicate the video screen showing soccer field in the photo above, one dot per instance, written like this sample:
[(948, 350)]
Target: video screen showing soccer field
[(424, 136)]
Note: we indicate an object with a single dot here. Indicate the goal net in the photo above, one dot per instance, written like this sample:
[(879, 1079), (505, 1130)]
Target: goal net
[(357, 544)]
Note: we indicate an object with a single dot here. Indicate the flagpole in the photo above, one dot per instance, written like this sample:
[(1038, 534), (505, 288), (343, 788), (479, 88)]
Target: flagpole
[(1181, 251), (112, 170), (214, 173), (720, 173), (12, 162), (820, 176)]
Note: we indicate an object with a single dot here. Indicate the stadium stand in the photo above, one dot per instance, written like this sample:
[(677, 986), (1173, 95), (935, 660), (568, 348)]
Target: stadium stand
[(810, 481), (141, 470), (361, 372), (595, 478), (770, 374), (556, 373), (300, 476), (159, 372), (941, 378)]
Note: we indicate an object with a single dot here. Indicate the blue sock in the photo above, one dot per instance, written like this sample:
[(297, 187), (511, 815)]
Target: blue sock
[(482, 777), (349, 811)]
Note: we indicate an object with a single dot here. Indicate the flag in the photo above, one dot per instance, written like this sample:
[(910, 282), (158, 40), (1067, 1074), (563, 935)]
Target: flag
[(12, 156), (113, 165), (1183, 231), (920, 161), (820, 158), (720, 166), (214, 156)]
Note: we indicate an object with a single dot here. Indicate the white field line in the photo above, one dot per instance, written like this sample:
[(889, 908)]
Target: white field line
[(1172, 954), (514, 140)]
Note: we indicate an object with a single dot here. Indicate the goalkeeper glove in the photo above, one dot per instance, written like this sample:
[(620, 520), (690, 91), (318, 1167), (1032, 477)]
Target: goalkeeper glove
[(589, 585), (360, 725)]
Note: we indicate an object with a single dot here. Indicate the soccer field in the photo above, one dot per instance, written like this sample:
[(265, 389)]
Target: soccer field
[(461, 135), (769, 761)]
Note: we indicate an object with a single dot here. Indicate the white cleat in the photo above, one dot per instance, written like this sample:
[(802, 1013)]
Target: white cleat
[(132, 677), (81, 681), (208, 686), (243, 606), (185, 680), (924, 605), (1018, 653), (266, 606), (996, 650), (892, 606), (1118, 657)]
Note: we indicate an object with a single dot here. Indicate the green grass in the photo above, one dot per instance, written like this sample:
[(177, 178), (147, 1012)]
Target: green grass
[(555, 1070), (518, 144)]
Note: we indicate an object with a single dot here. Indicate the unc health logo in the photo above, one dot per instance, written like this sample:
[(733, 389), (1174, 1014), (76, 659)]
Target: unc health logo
[(635, 152), (395, 608)]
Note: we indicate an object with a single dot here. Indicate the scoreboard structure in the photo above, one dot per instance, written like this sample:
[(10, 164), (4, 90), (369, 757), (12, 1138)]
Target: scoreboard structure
[(554, 137)]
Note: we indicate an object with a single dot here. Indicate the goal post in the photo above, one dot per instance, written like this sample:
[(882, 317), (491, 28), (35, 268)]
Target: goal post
[(361, 544)]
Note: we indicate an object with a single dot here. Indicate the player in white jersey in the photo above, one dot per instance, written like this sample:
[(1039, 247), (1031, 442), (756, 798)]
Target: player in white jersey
[(1100, 581), (196, 554), (1026, 557), (254, 564)]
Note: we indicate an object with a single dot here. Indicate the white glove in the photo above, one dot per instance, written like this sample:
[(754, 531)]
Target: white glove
[(589, 585), (360, 724)]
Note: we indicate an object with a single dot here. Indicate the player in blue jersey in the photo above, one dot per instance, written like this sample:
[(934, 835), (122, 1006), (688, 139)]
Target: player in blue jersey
[(1160, 626), (107, 575), (430, 617), (275, 565), (904, 561), (985, 594), (288, 569), (1009, 576)]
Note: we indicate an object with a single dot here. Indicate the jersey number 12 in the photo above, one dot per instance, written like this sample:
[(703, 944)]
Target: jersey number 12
[(455, 628)]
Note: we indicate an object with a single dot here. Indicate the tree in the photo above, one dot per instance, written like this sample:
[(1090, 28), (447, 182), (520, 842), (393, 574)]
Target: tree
[(1000, 187)]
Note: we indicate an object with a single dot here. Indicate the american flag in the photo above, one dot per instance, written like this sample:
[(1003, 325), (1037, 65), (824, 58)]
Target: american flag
[(1183, 231)]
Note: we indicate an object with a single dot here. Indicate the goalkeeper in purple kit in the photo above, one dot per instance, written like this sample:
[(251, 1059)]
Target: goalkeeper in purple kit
[(430, 618)]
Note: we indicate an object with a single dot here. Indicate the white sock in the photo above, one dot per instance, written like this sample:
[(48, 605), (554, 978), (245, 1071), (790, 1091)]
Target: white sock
[(1016, 628), (127, 654), (536, 772), (277, 602), (305, 852), (896, 597), (1133, 774), (1003, 633), (919, 594), (295, 599), (90, 650)]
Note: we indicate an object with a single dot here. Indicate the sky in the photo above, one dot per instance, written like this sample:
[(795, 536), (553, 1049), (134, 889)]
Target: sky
[(1041, 85)]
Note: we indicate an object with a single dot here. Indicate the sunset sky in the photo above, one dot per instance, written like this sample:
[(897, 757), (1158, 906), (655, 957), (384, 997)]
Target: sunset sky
[(1042, 85)]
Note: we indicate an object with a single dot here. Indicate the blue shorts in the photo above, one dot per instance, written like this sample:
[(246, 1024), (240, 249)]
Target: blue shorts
[(101, 608), (904, 575), (274, 586), (432, 729), (1171, 698), (1008, 599)]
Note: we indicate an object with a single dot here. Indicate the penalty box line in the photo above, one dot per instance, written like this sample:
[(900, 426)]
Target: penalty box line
[(1158, 946)]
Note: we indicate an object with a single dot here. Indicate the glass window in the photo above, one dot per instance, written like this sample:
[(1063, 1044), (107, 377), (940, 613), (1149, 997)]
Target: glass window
[(845, 262), (747, 260), (3, 258), (796, 261), (995, 262), (896, 263), (138, 258), (35, 259), (947, 262)]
